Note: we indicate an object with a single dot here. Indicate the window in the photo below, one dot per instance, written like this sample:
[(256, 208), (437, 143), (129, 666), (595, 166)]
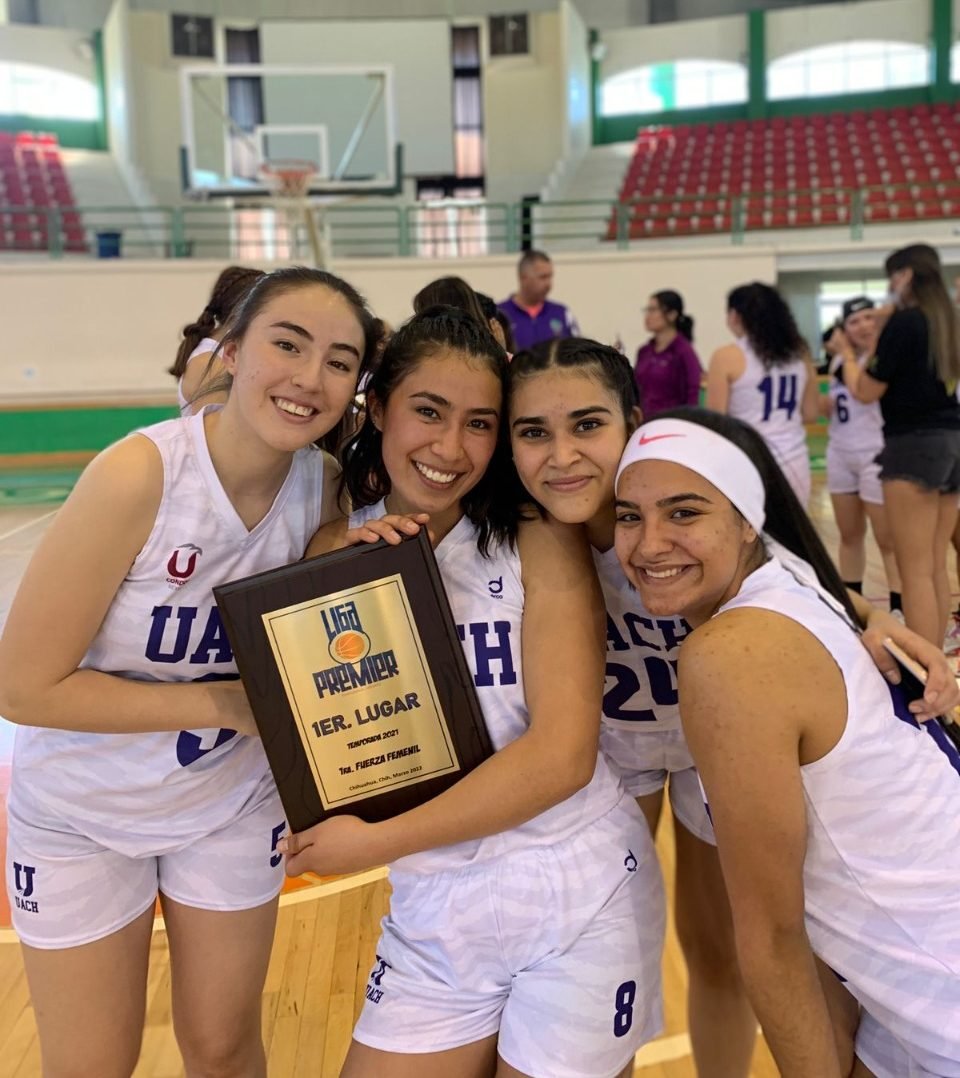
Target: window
[(192, 36), (683, 84), (509, 35), (468, 145), (40, 91), (851, 67)]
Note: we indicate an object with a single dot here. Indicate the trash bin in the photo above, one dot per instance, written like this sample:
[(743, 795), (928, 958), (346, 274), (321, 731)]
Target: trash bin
[(108, 244)]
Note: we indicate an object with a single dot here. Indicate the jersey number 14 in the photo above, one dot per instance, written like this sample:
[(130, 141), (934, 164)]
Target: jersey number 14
[(782, 389)]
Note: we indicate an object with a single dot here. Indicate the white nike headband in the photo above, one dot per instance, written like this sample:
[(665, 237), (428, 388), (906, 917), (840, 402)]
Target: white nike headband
[(706, 453)]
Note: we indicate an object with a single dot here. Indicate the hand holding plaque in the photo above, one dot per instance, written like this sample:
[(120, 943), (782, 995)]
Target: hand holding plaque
[(357, 680)]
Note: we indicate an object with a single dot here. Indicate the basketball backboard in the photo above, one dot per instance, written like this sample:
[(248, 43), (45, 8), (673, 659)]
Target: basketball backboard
[(238, 117)]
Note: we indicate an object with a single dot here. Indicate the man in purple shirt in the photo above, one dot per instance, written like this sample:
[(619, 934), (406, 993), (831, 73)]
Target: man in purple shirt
[(533, 318)]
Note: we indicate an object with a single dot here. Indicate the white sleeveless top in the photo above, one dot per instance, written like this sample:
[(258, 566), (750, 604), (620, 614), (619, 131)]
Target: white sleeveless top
[(640, 693), (205, 347), (854, 426), (770, 400), (882, 870), (486, 597), (144, 793)]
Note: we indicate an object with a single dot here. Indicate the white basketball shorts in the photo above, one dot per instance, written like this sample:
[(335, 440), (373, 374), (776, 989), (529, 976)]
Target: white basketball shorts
[(66, 890), (854, 471), (889, 1057), (556, 947), (646, 759)]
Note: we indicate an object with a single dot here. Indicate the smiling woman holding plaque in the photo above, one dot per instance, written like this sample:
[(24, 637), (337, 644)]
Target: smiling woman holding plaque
[(526, 916), (137, 771)]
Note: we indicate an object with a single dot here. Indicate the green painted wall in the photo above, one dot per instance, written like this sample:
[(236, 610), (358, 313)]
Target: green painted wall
[(73, 134), (72, 430)]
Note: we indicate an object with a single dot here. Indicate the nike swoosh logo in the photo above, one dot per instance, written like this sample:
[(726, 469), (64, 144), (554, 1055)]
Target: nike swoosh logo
[(645, 439)]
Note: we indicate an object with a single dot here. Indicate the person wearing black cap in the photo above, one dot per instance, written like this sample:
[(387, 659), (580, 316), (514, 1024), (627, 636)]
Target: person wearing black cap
[(914, 376), (855, 438)]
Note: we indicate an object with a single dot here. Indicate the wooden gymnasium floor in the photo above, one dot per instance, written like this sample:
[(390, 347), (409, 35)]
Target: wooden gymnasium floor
[(326, 932)]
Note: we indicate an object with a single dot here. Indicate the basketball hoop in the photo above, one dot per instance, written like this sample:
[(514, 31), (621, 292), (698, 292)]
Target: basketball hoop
[(288, 177), (289, 180)]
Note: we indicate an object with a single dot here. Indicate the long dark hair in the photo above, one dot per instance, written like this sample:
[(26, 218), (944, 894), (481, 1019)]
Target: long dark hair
[(610, 367), (786, 519), (433, 331), (672, 302), (768, 323), (293, 279), (929, 293), (228, 290), (450, 292)]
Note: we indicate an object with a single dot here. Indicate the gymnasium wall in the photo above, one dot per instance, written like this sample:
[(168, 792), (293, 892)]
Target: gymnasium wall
[(119, 87), (524, 107), (787, 31), (575, 53), (63, 50), (699, 39), (418, 49), (110, 328), (874, 20)]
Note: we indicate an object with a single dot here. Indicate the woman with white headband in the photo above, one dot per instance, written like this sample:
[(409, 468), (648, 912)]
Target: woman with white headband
[(835, 812), (572, 410)]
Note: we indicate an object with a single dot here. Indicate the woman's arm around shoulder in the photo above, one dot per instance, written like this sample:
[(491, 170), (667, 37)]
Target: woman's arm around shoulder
[(330, 536), (745, 708), (334, 504), (66, 592), (726, 366), (810, 403), (563, 648), (564, 642)]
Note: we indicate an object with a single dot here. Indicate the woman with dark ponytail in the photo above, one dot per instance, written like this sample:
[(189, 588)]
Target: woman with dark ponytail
[(201, 339), (767, 379), (667, 370)]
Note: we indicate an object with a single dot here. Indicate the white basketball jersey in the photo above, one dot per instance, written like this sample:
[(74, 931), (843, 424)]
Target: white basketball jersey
[(640, 693), (769, 399), (208, 344), (854, 426), (486, 597), (882, 869), (144, 793)]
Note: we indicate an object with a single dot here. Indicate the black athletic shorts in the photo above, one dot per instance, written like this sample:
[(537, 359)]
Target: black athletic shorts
[(929, 458)]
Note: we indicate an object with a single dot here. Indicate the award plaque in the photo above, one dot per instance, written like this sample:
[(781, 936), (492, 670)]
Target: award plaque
[(357, 680)]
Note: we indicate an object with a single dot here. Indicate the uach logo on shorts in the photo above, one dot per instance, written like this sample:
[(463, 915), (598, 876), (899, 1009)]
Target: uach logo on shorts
[(374, 992), (178, 573), (349, 648), (23, 882)]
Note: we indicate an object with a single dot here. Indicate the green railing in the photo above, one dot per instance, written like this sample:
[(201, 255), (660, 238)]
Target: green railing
[(454, 229)]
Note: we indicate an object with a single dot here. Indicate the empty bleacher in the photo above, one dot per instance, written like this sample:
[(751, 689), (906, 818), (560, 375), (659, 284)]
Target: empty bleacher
[(33, 180), (897, 164)]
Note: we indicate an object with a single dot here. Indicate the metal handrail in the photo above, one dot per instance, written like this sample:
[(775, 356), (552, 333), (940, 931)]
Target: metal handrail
[(417, 228)]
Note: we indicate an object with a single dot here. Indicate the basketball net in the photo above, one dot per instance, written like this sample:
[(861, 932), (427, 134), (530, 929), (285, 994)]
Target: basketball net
[(290, 182)]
